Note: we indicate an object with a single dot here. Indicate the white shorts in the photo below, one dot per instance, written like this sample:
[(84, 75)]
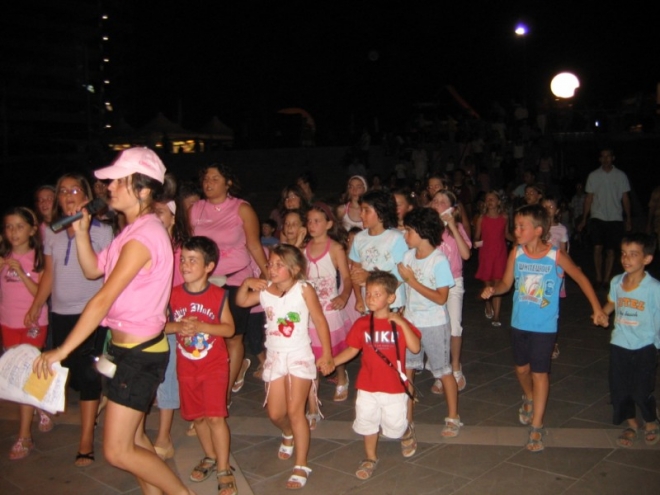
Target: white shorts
[(374, 410), (299, 363)]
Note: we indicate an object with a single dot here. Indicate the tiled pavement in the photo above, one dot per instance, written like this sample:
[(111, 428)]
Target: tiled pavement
[(581, 456)]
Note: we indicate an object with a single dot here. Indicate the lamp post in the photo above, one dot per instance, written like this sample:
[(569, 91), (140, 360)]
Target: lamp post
[(522, 31)]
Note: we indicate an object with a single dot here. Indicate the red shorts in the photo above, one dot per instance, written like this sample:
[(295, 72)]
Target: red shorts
[(16, 336), (204, 396)]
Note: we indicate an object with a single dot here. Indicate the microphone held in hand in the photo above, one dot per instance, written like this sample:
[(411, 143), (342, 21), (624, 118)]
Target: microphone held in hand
[(92, 207)]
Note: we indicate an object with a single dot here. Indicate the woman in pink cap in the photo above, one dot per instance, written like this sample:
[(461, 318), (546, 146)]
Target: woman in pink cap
[(137, 270)]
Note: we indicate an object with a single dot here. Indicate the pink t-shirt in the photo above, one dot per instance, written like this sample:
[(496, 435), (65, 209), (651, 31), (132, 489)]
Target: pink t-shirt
[(15, 298), (222, 224), (140, 308), (450, 249)]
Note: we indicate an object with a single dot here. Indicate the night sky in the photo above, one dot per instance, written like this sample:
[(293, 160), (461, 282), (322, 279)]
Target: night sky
[(249, 59)]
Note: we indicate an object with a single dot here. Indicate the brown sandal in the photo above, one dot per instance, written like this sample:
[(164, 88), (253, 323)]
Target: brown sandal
[(409, 442), (227, 483), (366, 469)]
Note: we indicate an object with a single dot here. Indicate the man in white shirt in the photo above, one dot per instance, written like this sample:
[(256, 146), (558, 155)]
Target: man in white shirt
[(607, 201)]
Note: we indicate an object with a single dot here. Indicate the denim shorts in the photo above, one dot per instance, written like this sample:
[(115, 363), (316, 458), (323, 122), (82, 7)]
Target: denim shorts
[(436, 345), (137, 376), (168, 391)]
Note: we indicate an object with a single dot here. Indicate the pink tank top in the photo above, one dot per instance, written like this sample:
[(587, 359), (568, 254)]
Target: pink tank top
[(222, 224)]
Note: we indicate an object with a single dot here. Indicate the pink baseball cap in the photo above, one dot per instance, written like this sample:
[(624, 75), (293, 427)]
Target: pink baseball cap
[(140, 160)]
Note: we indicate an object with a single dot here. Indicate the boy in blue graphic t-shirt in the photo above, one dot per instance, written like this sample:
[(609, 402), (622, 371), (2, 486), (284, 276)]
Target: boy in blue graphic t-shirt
[(537, 269)]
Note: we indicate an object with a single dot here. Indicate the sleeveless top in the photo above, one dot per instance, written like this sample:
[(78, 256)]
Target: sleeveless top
[(322, 275), (536, 296), (287, 319), (348, 223)]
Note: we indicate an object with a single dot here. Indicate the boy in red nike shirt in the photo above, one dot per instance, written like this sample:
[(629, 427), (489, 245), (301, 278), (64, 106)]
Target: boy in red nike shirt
[(383, 337)]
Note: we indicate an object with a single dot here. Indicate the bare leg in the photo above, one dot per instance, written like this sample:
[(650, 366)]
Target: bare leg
[(371, 446), (541, 384), (286, 409), (236, 351), (25, 425), (164, 439), (213, 434), (598, 262), (451, 394), (126, 446), (88, 409), (456, 344), (411, 404), (525, 379)]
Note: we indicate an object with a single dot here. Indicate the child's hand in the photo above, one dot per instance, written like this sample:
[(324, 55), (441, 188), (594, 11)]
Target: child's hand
[(14, 265), (488, 292), (302, 233), (406, 272), (256, 284), (325, 364), (360, 307), (601, 319), (396, 318), (359, 275), (189, 326), (338, 303)]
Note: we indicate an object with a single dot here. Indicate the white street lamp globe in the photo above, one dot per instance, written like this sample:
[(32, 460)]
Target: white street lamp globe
[(563, 85)]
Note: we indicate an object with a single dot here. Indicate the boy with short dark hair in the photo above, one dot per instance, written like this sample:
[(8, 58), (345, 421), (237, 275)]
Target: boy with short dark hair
[(383, 337), (537, 269), (200, 317), (634, 297), (268, 228)]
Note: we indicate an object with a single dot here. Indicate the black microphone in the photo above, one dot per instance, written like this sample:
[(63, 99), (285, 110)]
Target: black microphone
[(92, 207)]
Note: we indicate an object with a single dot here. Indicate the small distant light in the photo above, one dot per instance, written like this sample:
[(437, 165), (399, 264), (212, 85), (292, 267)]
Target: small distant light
[(106, 60), (107, 81), (104, 17), (89, 88), (106, 38), (597, 123), (108, 106), (108, 126), (521, 30)]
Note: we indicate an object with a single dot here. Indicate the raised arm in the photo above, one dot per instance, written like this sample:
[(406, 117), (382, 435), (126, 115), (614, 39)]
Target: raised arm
[(86, 255)]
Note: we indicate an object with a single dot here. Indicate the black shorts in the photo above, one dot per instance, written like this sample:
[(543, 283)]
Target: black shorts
[(606, 234), (533, 349), (240, 315), (137, 376)]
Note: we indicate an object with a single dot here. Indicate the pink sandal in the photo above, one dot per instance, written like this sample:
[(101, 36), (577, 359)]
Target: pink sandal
[(21, 449), (45, 422)]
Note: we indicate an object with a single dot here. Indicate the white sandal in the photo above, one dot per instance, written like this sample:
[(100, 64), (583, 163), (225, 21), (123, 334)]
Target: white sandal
[(452, 427), (341, 391), (313, 419), (285, 451), (298, 478), (458, 376)]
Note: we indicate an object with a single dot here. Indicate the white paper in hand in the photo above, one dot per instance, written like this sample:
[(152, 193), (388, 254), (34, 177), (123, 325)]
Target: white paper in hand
[(15, 371)]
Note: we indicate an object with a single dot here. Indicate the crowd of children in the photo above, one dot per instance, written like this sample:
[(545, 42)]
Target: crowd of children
[(375, 275)]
